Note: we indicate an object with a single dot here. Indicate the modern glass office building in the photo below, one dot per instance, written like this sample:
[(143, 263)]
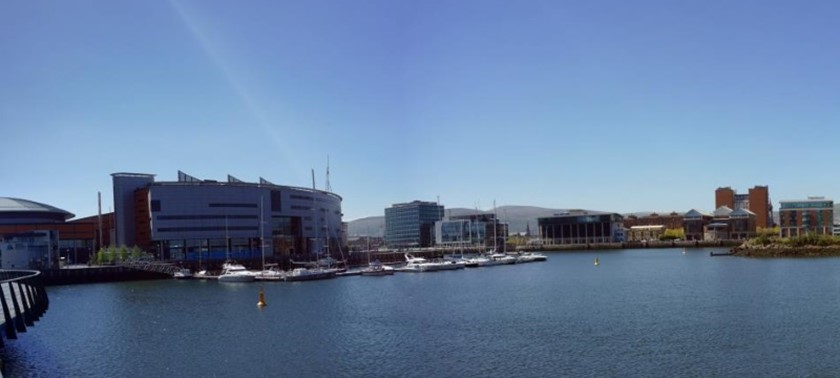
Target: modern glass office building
[(193, 219), (471, 230), (581, 227), (410, 225)]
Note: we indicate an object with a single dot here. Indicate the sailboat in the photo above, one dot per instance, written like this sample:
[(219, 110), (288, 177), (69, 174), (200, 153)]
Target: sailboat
[(311, 271), (376, 268), (269, 272)]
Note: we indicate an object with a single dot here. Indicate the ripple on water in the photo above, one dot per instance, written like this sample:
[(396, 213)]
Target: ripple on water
[(639, 313)]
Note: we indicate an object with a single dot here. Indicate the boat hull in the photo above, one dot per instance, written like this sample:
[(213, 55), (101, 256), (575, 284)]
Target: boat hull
[(310, 277), (376, 273), (236, 278)]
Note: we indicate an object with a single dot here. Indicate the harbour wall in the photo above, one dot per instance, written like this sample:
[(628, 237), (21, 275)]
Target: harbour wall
[(70, 276)]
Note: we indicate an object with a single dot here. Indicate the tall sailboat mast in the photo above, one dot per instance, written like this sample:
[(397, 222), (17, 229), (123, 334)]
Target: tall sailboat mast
[(495, 234), (262, 233)]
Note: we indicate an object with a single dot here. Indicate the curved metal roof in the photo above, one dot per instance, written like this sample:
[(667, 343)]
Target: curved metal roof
[(17, 205)]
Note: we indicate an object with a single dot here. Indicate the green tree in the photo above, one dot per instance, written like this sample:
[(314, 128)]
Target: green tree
[(673, 234), (105, 255), (122, 254), (136, 253)]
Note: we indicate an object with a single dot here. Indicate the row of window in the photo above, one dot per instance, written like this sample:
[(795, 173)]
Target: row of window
[(199, 217), (209, 228), (230, 204)]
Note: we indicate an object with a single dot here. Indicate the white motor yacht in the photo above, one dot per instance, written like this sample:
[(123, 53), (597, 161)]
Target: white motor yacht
[(233, 272), (418, 264), (376, 268), (530, 257), (503, 258), (309, 274), (480, 261), (270, 273), (183, 274)]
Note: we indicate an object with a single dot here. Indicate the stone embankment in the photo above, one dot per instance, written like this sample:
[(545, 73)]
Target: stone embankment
[(635, 245)]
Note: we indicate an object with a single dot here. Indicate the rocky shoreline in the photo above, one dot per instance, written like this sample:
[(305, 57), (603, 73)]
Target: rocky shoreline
[(786, 251)]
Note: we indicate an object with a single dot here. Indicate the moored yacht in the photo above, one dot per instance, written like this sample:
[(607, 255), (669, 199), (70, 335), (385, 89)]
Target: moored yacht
[(481, 260), (503, 258), (418, 264), (309, 274), (376, 268), (270, 273), (233, 272), (182, 274)]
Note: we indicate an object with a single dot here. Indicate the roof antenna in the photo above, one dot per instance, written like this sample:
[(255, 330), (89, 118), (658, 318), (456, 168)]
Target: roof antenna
[(329, 187)]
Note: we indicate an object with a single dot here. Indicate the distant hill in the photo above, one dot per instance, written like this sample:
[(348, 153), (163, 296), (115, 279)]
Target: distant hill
[(517, 218)]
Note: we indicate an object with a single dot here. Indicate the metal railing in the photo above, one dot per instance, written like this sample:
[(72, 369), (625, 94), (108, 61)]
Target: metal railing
[(23, 300)]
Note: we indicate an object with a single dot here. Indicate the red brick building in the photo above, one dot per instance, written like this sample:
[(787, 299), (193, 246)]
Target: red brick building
[(757, 200), (673, 220)]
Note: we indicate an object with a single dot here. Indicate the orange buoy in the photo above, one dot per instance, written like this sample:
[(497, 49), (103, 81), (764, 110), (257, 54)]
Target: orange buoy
[(261, 302)]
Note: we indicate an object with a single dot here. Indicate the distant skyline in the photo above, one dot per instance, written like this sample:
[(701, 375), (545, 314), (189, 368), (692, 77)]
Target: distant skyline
[(608, 105)]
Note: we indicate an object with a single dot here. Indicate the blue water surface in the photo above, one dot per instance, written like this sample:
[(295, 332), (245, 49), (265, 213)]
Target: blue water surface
[(639, 313)]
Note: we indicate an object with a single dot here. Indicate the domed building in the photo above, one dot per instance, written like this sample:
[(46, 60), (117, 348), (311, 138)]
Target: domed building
[(16, 211), (28, 234), (34, 235)]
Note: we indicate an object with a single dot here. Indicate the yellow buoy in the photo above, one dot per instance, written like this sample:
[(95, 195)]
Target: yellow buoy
[(596, 262), (261, 302)]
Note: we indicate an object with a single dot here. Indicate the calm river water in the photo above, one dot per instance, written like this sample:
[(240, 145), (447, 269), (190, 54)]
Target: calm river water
[(640, 313)]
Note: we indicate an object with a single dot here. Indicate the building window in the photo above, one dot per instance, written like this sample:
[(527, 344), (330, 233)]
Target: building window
[(155, 206), (251, 205), (276, 201)]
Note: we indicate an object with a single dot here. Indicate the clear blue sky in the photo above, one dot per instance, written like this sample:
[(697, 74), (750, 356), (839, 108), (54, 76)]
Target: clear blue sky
[(608, 105)]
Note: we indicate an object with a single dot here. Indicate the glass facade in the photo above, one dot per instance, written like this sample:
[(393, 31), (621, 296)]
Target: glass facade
[(460, 232), (580, 228), (807, 205), (411, 224), (215, 221)]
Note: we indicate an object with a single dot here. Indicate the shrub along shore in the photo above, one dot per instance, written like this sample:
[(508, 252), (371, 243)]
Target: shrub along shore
[(800, 246)]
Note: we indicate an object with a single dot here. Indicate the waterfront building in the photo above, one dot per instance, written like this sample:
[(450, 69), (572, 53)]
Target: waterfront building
[(814, 215), (836, 231), (742, 224), (77, 239), (581, 227), (673, 220), (645, 233), (410, 225), (728, 224), (756, 200), (716, 231), (722, 213), (365, 243), (694, 224), (471, 230), (719, 227), (29, 235), (191, 219)]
